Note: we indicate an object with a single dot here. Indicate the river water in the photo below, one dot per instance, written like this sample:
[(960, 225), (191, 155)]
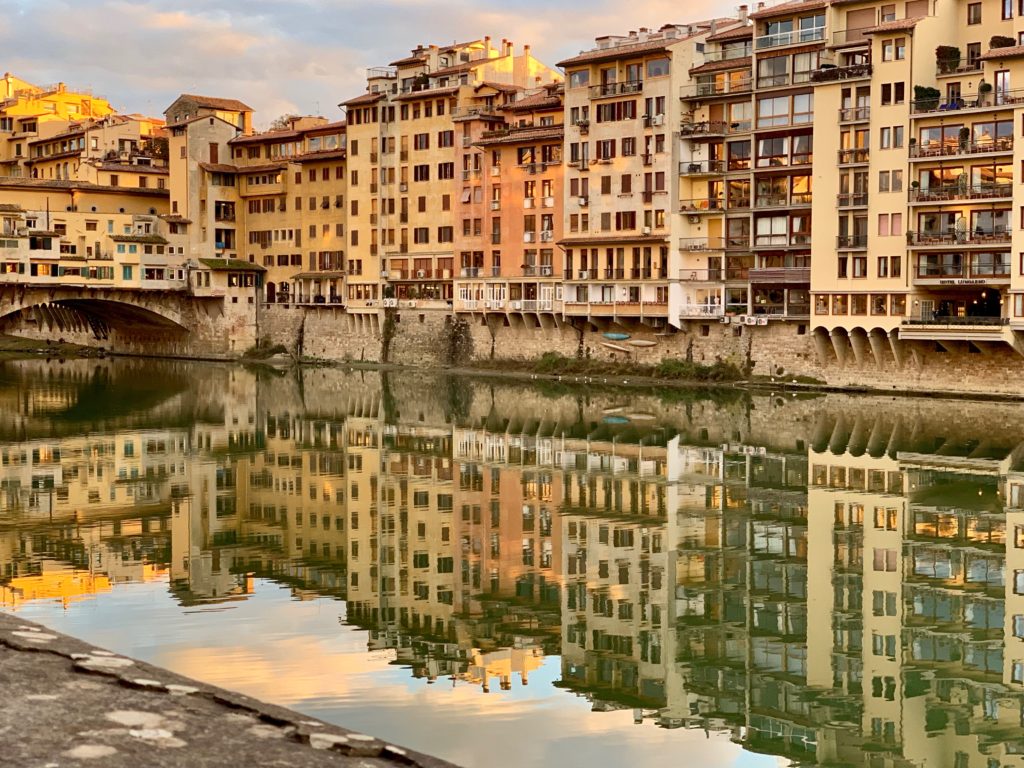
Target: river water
[(504, 573)]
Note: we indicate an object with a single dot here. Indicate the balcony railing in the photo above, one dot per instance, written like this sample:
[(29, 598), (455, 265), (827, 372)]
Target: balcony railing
[(854, 114), (827, 74), (703, 310), (783, 200), (961, 192), (857, 156), (795, 37), (989, 269), (717, 88), (616, 89), (846, 242), (852, 200), (713, 275), (952, 237), (958, 322), (937, 149), (768, 242), (701, 167), (700, 244), (991, 100), (780, 275), (851, 36), (728, 54), (698, 205), (957, 66)]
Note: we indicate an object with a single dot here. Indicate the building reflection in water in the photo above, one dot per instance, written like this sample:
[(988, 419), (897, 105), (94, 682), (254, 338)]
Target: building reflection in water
[(832, 580)]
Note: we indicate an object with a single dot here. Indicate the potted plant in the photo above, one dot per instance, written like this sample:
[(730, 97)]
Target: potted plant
[(965, 138), (1001, 41), (947, 58), (926, 98), (984, 94)]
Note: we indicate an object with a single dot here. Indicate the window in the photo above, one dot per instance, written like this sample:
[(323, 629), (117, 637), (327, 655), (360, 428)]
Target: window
[(421, 173), (887, 50), (883, 181), (883, 267), (657, 68), (974, 13)]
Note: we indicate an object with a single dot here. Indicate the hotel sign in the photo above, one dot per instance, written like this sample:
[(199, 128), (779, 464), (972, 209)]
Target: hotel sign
[(962, 281)]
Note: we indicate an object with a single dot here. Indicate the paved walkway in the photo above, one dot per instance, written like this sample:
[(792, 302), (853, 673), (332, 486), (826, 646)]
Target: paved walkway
[(64, 703)]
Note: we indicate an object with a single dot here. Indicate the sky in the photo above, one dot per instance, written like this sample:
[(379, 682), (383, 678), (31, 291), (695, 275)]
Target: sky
[(287, 56)]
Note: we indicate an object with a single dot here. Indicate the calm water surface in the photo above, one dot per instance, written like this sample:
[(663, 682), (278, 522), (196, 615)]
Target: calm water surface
[(511, 575)]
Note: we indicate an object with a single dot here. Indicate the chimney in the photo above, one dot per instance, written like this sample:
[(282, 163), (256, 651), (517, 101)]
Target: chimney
[(743, 14), (526, 51), (507, 51)]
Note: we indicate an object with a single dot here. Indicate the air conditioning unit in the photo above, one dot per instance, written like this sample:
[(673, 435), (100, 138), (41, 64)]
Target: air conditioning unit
[(528, 237), (446, 274), (421, 273), (723, 320), (495, 170), (403, 187), (741, 319), (646, 230), (750, 320), (516, 305), (546, 236), (495, 205), (584, 201), (389, 303), (464, 272), (528, 202), (412, 304), (762, 321), (658, 120), (545, 271), (583, 274), (693, 219)]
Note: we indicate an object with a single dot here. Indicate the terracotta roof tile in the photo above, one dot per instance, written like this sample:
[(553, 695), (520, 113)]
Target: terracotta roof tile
[(129, 168), (718, 66), (213, 102), (792, 7), (366, 98), (458, 69), (324, 154), (29, 183), (428, 93), (258, 138), (536, 101), (519, 135), (408, 61), (1003, 53), (739, 32), (896, 25), (619, 51)]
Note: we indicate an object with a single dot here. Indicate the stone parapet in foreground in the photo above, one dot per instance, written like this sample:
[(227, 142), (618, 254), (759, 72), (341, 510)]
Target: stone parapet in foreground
[(67, 703)]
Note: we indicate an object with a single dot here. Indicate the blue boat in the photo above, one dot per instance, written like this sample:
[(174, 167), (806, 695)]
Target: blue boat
[(616, 336)]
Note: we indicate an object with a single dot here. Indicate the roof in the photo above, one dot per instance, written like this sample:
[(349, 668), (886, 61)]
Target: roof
[(174, 218), (11, 208), (129, 168), (75, 130), (1003, 53), (795, 6), (366, 98), (214, 102), (218, 168), (620, 51), (717, 66), (83, 186), (315, 275), (408, 61), (428, 93), (323, 154), (536, 101), (518, 135), (458, 69), (146, 239), (598, 239), (280, 165), (198, 118), (896, 25), (504, 87), (739, 32), (258, 138), (231, 265)]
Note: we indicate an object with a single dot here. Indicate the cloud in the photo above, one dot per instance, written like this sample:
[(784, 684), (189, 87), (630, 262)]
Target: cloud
[(284, 55)]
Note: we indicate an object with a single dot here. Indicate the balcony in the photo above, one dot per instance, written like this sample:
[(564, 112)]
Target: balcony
[(538, 270), (470, 271), (851, 242), (714, 275), (718, 88), (605, 90), (780, 275), (947, 67), (796, 200), (712, 129), (639, 309), (954, 192), (1001, 145), (852, 200), (701, 244), (854, 114), (978, 238), (850, 37), (858, 156), (956, 269), (701, 205), (701, 167), (991, 100), (954, 328), (827, 74), (728, 54), (795, 37)]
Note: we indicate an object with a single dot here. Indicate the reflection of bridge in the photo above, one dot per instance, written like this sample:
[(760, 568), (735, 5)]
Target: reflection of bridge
[(128, 319)]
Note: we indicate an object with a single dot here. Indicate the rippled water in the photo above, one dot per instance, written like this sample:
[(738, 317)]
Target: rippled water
[(511, 575)]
